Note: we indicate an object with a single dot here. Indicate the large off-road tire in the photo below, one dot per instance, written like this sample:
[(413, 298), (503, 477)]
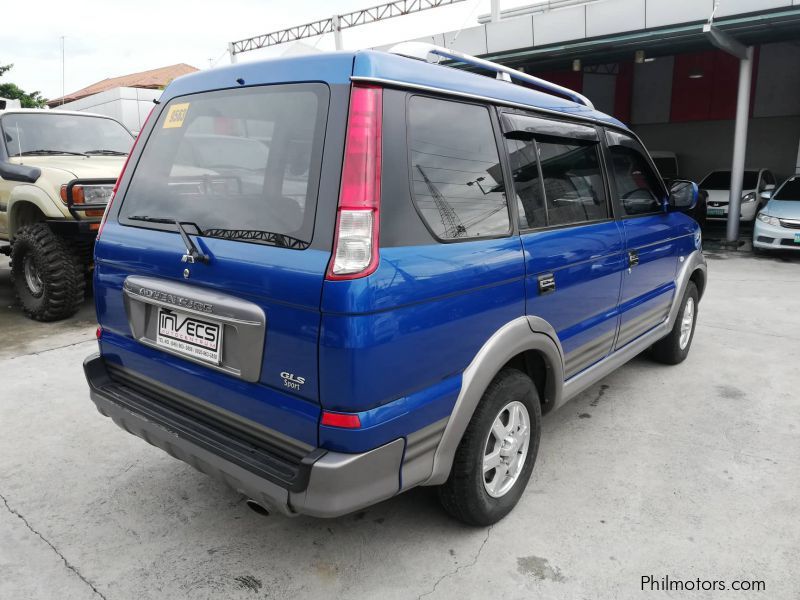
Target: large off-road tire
[(505, 430), (47, 272), (674, 348)]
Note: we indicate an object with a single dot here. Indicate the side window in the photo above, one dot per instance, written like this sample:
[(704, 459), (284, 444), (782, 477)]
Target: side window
[(527, 183), (566, 185), (638, 186), (456, 178), (573, 182)]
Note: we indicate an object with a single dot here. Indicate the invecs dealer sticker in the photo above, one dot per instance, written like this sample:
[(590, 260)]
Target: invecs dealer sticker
[(176, 115)]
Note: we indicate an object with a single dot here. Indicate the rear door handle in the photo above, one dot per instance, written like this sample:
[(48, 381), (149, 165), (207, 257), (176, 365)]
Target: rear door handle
[(633, 258), (547, 284)]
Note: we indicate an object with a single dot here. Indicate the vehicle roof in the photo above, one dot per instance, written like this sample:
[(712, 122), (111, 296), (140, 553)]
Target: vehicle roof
[(52, 111), (339, 67)]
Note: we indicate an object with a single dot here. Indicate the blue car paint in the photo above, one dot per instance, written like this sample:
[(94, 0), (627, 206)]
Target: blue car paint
[(648, 289), (587, 263), (331, 68), (396, 419), (382, 335), (374, 346)]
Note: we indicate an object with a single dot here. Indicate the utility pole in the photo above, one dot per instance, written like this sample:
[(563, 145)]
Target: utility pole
[(62, 71)]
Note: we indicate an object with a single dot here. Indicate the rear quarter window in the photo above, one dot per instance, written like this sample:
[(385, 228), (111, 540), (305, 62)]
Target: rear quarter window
[(241, 164), (456, 177)]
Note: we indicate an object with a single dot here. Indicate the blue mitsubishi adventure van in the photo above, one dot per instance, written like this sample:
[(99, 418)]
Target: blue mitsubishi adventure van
[(329, 279)]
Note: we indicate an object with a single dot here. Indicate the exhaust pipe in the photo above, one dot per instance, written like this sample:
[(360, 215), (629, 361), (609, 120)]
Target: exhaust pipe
[(257, 508)]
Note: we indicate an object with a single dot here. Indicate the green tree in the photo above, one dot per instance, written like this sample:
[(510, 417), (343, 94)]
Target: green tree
[(14, 92)]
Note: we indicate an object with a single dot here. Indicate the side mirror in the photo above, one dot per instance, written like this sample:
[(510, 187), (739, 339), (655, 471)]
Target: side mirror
[(767, 192), (683, 195)]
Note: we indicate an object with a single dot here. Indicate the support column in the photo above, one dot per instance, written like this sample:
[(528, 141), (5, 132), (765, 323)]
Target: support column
[(337, 32), (495, 11), (740, 144), (797, 165), (231, 53)]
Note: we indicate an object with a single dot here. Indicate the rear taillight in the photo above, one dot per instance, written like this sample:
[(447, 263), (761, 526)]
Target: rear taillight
[(121, 173), (355, 247)]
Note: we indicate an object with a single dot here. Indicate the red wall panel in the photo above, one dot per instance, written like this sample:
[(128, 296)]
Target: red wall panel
[(570, 79), (724, 81), (691, 98), (623, 94), (712, 97)]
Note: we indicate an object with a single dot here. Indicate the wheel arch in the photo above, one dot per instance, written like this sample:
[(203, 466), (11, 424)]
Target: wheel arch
[(30, 204), (515, 344), (23, 213), (698, 277)]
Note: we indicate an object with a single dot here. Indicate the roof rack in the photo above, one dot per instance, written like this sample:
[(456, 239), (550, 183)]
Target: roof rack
[(432, 53)]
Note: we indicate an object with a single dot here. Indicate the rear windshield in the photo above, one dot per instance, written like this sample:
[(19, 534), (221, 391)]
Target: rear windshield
[(721, 180), (789, 191), (239, 164)]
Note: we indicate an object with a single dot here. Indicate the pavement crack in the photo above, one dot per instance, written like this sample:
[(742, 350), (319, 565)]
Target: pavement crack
[(45, 350), (69, 565), (461, 567)]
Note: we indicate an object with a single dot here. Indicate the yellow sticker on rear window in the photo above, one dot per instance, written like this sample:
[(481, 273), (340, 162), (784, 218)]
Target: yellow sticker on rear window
[(176, 115)]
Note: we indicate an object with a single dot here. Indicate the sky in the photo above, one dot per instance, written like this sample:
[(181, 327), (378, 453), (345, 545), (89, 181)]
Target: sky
[(108, 38)]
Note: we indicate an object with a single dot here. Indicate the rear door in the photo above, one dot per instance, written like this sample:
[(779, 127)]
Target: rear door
[(651, 237), (241, 170), (573, 246)]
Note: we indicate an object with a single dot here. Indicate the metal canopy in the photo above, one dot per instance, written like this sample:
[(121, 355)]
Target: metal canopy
[(752, 29), (334, 24)]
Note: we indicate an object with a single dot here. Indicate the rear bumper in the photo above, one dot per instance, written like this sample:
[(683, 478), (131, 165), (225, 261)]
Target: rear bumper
[(318, 483)]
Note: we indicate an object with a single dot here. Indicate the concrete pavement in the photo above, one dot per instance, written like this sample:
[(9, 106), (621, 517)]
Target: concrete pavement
[(689, 471)]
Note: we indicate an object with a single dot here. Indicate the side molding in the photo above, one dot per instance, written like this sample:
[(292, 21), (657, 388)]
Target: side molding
[(574, 386), (534, 333), (513, 338)]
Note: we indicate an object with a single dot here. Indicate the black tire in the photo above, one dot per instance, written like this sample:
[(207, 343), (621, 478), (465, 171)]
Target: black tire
[(668, 350), (60, 271), (464, 495)]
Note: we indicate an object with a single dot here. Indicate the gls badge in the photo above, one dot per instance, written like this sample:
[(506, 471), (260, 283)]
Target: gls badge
[(291, 381)]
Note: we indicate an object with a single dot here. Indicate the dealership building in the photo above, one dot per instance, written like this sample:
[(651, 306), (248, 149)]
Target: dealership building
[(651, 64)]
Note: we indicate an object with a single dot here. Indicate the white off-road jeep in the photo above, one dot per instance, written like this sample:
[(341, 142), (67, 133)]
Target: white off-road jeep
[(57, 173)]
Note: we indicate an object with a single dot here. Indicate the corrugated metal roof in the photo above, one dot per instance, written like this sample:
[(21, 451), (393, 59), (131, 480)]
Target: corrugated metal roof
[(152, 79)]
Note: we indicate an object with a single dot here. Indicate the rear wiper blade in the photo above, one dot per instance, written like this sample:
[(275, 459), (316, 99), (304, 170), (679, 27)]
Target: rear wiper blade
[(151, 219), (257, 235), (193, 254), (107, 152), (47, 152)]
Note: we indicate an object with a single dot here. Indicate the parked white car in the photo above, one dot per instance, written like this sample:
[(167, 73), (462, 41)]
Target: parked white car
[(778, 225), (718, 186)]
